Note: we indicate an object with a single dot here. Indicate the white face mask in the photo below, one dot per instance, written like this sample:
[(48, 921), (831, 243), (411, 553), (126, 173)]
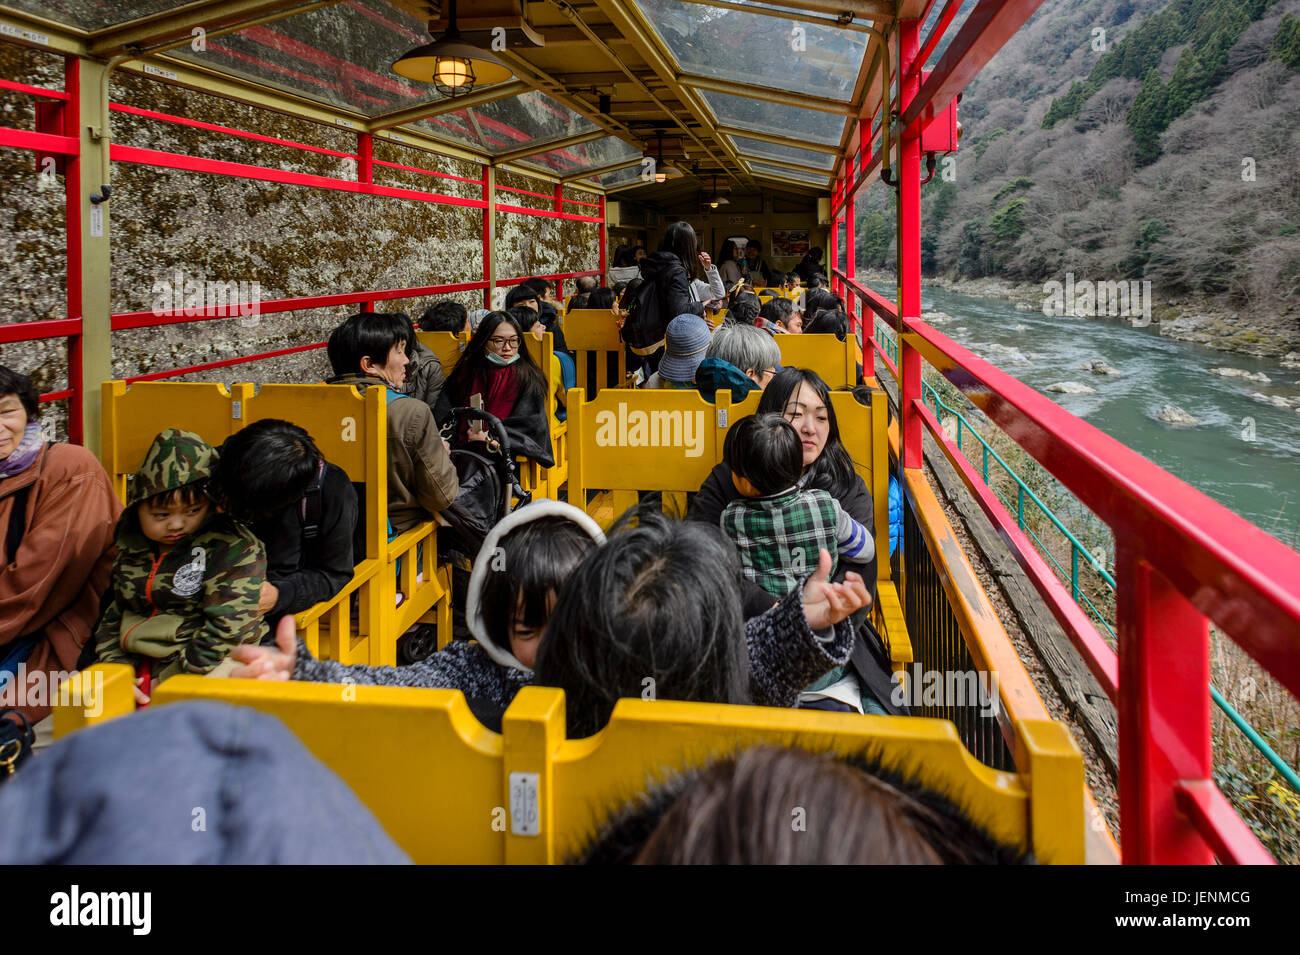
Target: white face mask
[(498, 360)]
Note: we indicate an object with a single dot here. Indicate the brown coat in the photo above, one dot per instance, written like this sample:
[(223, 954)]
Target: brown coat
[(63, 564)]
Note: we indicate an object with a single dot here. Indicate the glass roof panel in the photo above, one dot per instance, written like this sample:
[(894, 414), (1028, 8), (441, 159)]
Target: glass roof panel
[(93, 14), (762, 168), (341, 55), (751, 48), (572, 159), (953, 29), (775, 118), (620, 177), (805, 157), (506, 124)]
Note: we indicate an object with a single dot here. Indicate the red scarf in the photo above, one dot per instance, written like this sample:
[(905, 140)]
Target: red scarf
[(500, 390)]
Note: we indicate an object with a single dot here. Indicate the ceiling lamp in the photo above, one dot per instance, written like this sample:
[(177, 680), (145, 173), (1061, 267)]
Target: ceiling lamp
[(716, 198), (452, 65), (663, 170)]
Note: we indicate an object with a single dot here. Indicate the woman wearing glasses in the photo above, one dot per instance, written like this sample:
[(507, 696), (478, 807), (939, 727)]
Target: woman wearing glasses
[(497, 367)]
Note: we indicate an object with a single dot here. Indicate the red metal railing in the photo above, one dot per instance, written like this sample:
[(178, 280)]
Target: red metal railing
[(68, 145)]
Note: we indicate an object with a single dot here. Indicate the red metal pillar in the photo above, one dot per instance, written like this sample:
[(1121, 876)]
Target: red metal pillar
[(366, 174), (489, 231), (868, 314), (1164, 714), (604, 241), (559, 208), (908, 171), (834, 262), (850, 224), (72, 223)]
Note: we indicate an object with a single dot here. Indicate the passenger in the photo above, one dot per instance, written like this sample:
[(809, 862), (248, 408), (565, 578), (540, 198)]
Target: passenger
[(832, 322), (803, 399), (369, 350), (563, 371), (445, 316), (579, 301), (57, 513), (665, 294), (475, 317), (661, 600), (601, 298), (624, 267), (758, 271), (781, 314), (585, 283), (738, 811), (497, 366), (745, 309), (111, 793), (710, 291), (748, 349), (686, 340), (817, 300), (729, 259), (810, 265), (270, 476), (658, 600), (424, 377), (521, 567), (523, 296), (550, 316), (187, 577), (776, 522), (829, 322)]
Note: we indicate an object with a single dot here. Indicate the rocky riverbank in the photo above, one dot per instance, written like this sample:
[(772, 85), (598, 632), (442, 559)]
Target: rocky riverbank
[(1198, 322)]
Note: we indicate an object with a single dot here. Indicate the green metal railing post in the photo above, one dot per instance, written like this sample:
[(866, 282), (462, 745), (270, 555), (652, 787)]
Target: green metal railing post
[(1020, 504)]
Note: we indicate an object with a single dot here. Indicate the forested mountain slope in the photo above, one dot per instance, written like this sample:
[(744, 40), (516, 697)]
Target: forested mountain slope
[(1130, 139)]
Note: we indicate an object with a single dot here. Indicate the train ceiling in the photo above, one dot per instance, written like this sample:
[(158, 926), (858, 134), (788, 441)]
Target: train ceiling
[(723, 95)]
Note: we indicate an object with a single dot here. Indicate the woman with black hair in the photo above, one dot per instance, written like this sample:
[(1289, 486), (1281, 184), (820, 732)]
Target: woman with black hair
[(729, 269), (496, 365), (665, 294), (802, 398), (810, 265), (601, 298)]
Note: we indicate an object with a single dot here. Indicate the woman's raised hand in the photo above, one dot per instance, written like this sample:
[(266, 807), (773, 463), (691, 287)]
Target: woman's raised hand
[(706, 261), (826, 604), (269, 663)]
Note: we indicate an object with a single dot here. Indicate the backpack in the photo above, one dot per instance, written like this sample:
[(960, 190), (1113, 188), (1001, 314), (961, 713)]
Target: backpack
[(644, 328)]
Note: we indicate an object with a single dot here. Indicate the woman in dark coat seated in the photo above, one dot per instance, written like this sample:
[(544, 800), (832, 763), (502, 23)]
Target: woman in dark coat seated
[(802, 398), (496, 366)]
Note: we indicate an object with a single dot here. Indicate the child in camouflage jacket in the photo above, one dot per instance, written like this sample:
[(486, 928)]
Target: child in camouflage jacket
[(187, 577)]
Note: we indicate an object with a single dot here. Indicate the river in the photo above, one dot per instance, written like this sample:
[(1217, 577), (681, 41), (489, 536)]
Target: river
[(1243, 453)]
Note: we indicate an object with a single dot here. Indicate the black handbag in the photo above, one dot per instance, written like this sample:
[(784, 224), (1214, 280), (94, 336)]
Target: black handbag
[(488, 480), (15, 742)]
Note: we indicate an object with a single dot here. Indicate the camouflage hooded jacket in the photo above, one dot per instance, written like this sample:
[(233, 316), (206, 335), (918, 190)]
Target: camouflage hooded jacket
[(188, 605)]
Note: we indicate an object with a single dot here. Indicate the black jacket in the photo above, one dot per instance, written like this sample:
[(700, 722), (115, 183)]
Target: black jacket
[(309, 571), (665, 294), (550, 318), (869, 659)]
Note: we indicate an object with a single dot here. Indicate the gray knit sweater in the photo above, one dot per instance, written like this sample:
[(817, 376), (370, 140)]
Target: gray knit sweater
[(785, 655)]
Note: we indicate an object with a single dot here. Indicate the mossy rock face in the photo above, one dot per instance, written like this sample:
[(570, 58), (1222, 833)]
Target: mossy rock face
[(1166, 313), (273, 240)]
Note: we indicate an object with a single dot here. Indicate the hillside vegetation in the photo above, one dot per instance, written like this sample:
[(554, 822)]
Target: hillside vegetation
[(1121, 139)]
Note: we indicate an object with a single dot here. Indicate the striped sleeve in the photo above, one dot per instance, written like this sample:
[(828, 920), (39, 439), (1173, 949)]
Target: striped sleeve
[(855, 540)]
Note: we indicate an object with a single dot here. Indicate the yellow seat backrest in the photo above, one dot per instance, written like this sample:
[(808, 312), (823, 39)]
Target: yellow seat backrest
[(446, 345), (834, 360), (134, 415), (449, 791), (591, 335), (629, 440)]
